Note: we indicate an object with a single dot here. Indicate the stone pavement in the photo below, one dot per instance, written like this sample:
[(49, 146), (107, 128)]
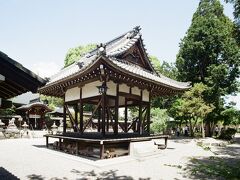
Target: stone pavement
[(29, 159)]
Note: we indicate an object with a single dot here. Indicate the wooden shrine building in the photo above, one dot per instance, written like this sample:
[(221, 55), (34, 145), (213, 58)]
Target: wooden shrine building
[(116, 74)]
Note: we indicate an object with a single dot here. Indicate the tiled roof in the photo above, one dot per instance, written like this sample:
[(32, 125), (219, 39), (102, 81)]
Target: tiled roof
[(141, 72), (113, 49), (28, 106)]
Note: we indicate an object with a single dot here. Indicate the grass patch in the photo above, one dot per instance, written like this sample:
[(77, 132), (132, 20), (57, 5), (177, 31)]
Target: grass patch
[(214, 167)]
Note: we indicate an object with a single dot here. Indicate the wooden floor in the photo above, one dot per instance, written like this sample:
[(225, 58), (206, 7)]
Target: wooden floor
[(92, 143)]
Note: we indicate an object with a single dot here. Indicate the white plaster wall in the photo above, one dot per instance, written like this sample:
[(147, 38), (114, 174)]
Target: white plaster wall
[(136, 91), (145, 95), (124, 88), (72, 94), (112, 88), (90, 89), (121, 100)]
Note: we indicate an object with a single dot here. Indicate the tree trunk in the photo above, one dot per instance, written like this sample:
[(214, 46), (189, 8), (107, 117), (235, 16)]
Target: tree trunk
[(191, 128), (203, 132), (207, 132)]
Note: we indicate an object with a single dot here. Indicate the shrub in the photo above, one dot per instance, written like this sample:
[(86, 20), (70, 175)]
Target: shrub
[(227, 134)]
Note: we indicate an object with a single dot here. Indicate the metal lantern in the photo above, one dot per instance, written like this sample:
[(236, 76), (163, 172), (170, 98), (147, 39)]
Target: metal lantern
[(102, 89)]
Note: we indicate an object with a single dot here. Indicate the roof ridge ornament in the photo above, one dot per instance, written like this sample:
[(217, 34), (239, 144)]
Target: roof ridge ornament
[(134, 32), (101, 49), (137, 29)]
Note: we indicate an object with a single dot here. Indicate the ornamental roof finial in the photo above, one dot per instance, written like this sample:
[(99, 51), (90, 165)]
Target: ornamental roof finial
[(101, 49)]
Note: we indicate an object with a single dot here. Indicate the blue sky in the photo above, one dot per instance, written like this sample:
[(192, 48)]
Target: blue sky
[(39, 33)]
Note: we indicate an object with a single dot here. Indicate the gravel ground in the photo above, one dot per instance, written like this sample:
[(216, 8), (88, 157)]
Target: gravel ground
[(29, 159)]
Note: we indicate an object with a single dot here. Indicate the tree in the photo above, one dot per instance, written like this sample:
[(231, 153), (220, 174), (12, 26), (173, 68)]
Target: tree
[(166, 69), (52, 101), (75, 54), (209, 53), (191, 107)]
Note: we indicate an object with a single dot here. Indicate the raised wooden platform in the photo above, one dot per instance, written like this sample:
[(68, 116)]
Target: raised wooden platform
[(98, 146)]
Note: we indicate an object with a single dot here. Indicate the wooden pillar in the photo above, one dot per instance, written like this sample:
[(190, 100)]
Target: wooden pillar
[(64, 116), (107, 118), (60, 144), (126, 117), (77, 148), (47, 141), (99, 118), (81, 111), (149, 113), (101, 150), (116, 110), (103, 111), (76, 116), (140, 115)]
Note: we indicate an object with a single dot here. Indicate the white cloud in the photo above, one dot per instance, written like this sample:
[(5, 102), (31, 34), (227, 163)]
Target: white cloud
[(45, 69)]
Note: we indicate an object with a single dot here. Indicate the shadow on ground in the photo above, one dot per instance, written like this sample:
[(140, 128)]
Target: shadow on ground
[(6, 175), (86, 175), (213, 168), (181, 139), (40, 177), (231, 150), (40, 146), (104, 175)]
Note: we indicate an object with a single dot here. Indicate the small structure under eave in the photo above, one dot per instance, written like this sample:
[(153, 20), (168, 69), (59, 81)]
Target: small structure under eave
[(34, 114), (116, 74)]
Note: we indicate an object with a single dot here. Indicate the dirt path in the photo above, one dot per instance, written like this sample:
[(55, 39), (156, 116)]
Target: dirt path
[(29, 159)]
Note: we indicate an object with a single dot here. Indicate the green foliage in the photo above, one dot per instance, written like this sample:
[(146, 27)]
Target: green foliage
[(231, 116), (210, 54), (159, 119), (75, 54), (7, 112), (52, 101), (191, 106), (166, 69), (227, 134)]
